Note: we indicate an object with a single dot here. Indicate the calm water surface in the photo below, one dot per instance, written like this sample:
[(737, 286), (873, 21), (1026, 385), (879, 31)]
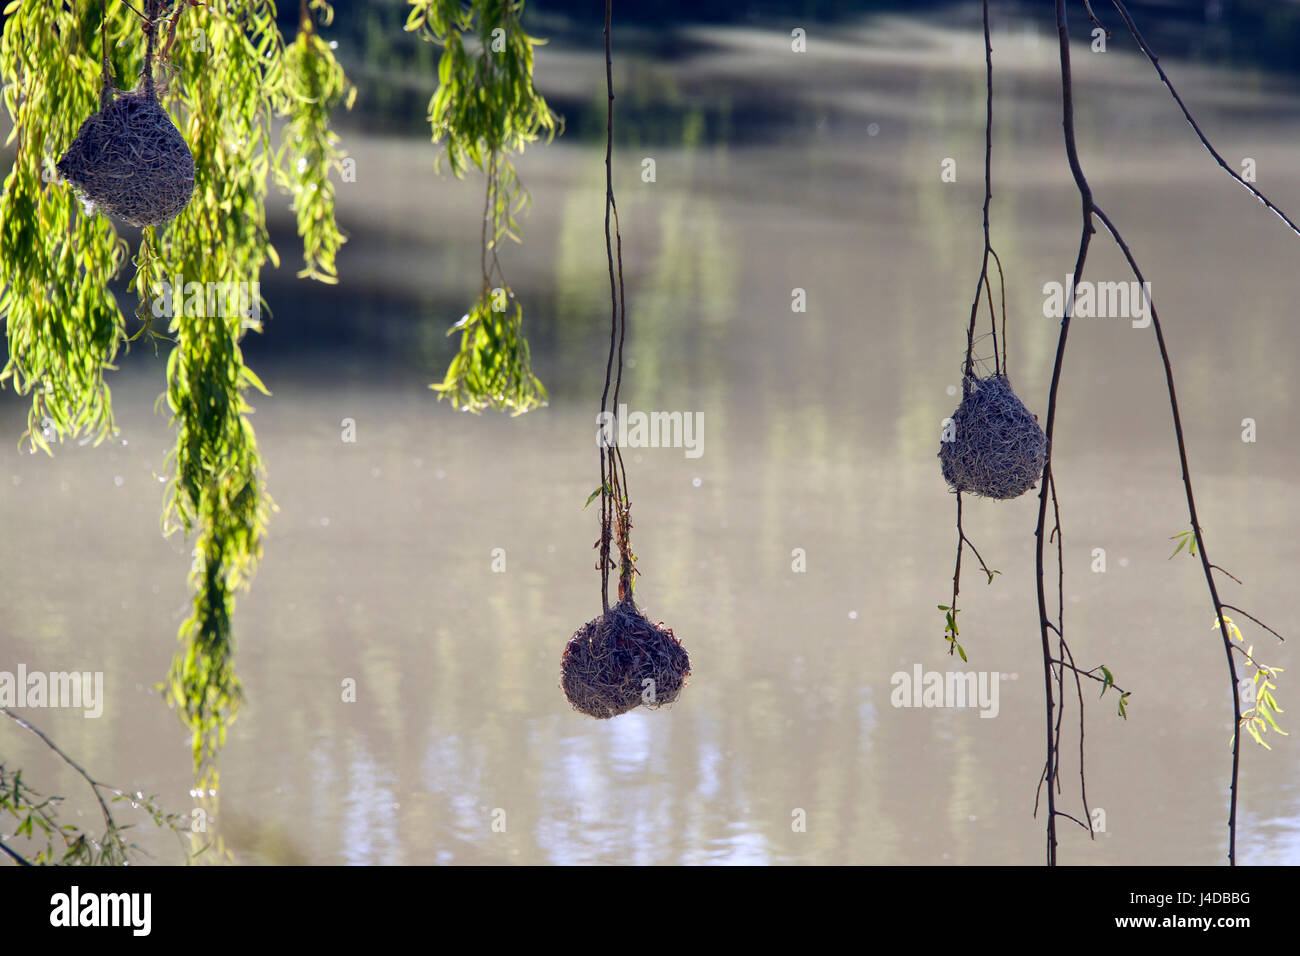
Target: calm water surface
[(820, 433)]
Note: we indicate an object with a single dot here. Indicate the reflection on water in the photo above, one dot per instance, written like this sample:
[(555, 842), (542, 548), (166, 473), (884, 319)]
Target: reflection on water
[(821, 431)]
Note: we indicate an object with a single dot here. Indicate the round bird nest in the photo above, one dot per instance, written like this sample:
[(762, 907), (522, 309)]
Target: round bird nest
[(998, 449), (621, 660), (129, 160)]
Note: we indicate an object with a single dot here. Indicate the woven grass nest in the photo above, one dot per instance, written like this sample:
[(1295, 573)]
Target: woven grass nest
[(998, 449), (130, 161), (608, 662)]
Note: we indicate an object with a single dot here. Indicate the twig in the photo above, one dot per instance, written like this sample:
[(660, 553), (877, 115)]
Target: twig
[(988, 198), (1268, 671), (1093, 17), (1002, 285), (94, 784), (614, 496), (1046, 486), (1233, 607), (126, 4), (18, 858), (1229, 574), (1062, 813), (1191, 120), (982, 285), (1195, 523), (1091, 674), (1083, 779), (605, 458), (1090, 211)]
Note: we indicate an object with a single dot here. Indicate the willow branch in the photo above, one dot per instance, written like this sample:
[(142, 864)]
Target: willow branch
[(18, 858), (1228, 573), (1247, 614), (94, 784), (1196, 527), (969, 370), (1191, 120), (1085, 195)]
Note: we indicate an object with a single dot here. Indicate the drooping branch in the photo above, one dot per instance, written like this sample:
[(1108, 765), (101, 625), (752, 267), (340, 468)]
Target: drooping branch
[(1047, 487), (982, 287), (615, 504), (94, 784), (969, 368), (1247, 614), (1191, 120), (485, 110), (1090, 212), (38, 813)]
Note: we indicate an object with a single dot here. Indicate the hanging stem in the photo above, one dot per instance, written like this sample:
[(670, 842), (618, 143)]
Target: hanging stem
[(95, 785), (106, 73), (968, 369), (1046, 487), (489, 215), (1205, 560), (494, 211), (1002, 298), (615, 507), (152, 8), (1191, 120)]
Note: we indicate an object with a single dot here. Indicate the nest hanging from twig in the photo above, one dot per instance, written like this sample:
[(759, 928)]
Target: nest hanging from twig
[(130, 161), (622, 660), (997, 448)]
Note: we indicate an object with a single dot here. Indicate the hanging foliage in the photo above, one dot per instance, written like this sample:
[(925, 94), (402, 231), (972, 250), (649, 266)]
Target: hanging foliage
[(62, 324), (485, 109), (315, 86), (217, 490), (38, 835), (223, 68)]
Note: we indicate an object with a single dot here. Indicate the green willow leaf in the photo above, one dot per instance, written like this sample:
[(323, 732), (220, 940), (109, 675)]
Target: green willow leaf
[(485, 109)]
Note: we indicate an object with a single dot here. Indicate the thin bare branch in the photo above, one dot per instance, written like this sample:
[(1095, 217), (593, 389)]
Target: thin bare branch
[(95, 785), (1062, 813), (1191, 120), (17, 857), (1233, 607), (1215, 567)]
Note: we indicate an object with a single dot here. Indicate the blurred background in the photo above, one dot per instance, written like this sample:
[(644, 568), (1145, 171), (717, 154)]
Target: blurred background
[(775, 171)]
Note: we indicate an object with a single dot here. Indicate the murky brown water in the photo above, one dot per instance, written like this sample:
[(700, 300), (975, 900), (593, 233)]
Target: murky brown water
[(820, 434)]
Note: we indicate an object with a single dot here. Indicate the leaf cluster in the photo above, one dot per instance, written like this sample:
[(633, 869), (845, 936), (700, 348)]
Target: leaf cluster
[(492, 368), (50, 842), (315, 86)]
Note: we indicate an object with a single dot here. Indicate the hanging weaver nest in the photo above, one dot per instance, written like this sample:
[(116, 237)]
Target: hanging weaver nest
[(621, 660), (129, 160), (998, 449)]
